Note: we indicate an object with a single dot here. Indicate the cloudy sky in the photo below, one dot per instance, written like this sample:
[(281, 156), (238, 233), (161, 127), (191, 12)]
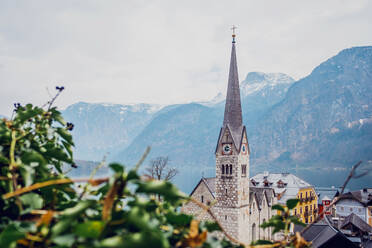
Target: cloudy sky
[(163, 51)]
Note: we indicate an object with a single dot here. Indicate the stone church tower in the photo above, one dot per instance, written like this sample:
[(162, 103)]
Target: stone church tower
[(232, 162), (239, 205)]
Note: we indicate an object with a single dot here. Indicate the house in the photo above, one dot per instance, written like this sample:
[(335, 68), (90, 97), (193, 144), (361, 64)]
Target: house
[(288, 186), (356, 202)]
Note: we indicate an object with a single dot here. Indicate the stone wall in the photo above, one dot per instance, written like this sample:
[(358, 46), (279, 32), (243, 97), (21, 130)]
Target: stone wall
[(191, 208)]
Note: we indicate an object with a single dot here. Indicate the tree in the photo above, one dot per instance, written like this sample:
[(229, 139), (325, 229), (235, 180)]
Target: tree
[(158, 169)]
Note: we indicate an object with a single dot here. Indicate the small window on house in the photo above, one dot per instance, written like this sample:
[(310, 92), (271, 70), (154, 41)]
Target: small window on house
[(202, 199), (208, 203), (295, 212), (300, 210), (311, 207), (311, 219), (230, 169), (227, 169), (306, 194), (222, 169), (301, 195), (225, 217), (226, 191)]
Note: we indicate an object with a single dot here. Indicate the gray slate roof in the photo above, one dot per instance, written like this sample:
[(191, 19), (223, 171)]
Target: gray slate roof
[(292, 184), (233, 120), (233, 108), (364, 196), (356, 221), (324, 235)]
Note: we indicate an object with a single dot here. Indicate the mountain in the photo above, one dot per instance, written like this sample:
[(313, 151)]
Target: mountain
[(324, 121), (316, 127), (102, 128), (188, 133)]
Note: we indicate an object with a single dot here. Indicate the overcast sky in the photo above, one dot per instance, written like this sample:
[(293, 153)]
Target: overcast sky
[(164, 51)]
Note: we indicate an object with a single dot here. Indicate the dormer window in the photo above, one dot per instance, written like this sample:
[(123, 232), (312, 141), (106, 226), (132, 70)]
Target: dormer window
[(254, 182), (280, 184), (266, 183)]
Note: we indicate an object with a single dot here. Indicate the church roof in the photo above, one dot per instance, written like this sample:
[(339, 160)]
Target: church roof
[(259, 193), (233, 120), (233, 108), (210, 183)]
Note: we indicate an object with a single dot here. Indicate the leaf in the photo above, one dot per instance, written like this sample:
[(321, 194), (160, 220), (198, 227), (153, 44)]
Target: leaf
[(10, 235), (78, 208), (139, 218), (3, 160), (178, 219), (27, 173), (132, 175), (212, 226), (163, 188), (33, 200), (33, 156), (262, 242), (61, 226), (59, 154), (277, 207), (296, 221), (117, 168), (65, 240), (90, 229), (65, 135), (292, 203)]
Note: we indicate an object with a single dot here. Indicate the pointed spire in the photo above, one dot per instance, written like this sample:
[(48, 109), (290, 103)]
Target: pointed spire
[(233, 108)]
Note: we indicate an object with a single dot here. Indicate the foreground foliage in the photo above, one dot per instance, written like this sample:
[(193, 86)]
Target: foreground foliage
[(41, 207)]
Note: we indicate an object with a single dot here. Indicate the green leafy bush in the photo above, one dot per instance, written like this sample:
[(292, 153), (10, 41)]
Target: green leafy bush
[(41, 207)]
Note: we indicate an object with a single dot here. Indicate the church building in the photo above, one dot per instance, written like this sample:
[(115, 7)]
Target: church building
[(239, 206)]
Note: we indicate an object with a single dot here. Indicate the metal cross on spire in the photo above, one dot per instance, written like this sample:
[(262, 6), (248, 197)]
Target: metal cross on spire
[(233, 34)]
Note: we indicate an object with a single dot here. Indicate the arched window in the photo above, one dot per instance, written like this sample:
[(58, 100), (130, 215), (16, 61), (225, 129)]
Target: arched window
[(230, 169), (254, 232), (227, 169), (223, 169)]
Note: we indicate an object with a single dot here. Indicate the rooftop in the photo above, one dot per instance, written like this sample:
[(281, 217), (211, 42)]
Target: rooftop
[(286, 183)]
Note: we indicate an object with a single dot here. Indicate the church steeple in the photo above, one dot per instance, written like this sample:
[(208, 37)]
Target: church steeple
[(233, 108)]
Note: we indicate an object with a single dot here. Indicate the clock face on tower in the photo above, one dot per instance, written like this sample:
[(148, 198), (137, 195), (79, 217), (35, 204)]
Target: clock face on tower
[(226, 149)]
